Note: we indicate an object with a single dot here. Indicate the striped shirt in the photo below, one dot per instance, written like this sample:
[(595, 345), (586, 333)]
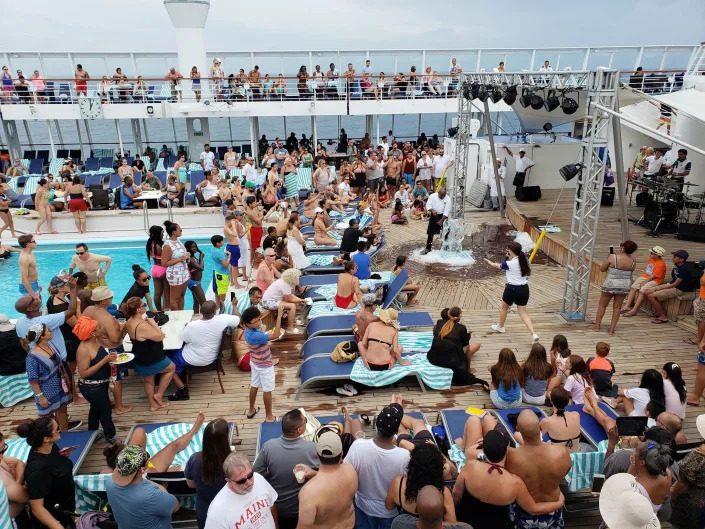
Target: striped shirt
[(258, 341)]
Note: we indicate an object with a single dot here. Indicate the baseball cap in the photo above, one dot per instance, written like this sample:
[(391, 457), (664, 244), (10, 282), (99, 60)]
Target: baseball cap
[(101, 293), (329, 445), (129, 461), (249, 184), (522, 150), (6, 324), (658, 250), (317, 211), (58, 281), (682, 254), (389, 419), (237, 212), (494, 445)]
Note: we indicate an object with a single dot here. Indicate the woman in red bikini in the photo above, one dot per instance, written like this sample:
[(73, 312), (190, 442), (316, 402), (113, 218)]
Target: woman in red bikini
[(348, 294)]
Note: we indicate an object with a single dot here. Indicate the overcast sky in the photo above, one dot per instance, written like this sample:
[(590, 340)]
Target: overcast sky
[(235, 25)]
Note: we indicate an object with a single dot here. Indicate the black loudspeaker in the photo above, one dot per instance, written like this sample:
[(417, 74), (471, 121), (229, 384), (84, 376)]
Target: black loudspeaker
[(642, 198), (691, 232), (607, 196), (528, 193)]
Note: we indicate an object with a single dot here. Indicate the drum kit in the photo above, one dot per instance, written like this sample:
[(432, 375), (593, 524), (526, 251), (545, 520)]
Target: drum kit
[(667, 203)]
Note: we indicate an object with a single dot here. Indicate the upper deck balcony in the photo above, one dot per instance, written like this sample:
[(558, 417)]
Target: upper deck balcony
[(140, 89)]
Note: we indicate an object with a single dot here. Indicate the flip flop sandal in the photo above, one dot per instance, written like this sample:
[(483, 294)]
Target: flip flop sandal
[(365, 419), (253, 415), (343, 391), (658, 322), (690, 341), (350, 388)]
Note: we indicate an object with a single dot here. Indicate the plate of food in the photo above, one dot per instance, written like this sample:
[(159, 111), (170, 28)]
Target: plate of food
[(124, 358)]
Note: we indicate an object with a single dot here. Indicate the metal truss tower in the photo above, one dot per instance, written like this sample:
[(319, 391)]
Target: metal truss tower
[(602, 86), (456, 186)]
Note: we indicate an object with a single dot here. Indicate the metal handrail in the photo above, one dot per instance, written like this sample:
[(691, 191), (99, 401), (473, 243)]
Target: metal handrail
[(145, 218), (169, 212)]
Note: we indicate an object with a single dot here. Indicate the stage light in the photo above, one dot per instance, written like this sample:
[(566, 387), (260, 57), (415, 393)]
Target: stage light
[(150, 109), (452, 132), (511, 95), (497, 94), (552, 102), (525, 99), (485, 93), (466, 91), (569, 105), (570, 171), (475, 90), (547, 127), (536, 101)]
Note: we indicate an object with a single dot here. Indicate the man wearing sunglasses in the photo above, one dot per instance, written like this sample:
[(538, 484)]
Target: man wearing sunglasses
[(89, 264), (247, 500)]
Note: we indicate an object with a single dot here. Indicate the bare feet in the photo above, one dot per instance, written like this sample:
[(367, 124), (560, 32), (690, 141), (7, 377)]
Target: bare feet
[(275, 361), (397, 399), (79, 401), (629, 314), (200, 419), (346, 413), (595, 328), (270, 418), (693, 400), (124, 409)]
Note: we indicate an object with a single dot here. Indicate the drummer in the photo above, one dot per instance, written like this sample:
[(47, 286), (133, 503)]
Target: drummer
[(680, 168)]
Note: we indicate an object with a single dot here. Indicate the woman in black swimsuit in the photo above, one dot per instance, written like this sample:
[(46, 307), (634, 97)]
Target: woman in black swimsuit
[(379, 347), (562, 427), (6, 215), (425, 468)]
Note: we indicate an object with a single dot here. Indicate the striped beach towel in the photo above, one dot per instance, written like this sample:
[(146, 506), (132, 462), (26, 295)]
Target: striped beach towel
[(323, 308), (320, 260), (25, 162), (159, 438), (366, 286), (194, 167), (160, 165), (432, 376), (55, 165), (17, 448), (292, 185), (584, 465), (14, 389), (103, 153), (303, 178)]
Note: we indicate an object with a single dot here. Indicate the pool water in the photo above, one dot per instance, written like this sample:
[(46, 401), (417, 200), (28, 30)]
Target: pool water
[(51, 259)]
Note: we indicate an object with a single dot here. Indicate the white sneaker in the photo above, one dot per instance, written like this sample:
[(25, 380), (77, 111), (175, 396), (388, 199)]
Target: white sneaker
[(535, 337), (496, 328)]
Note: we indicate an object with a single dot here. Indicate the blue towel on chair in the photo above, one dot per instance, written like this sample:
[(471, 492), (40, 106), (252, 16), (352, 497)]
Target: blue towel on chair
[(432, 376)]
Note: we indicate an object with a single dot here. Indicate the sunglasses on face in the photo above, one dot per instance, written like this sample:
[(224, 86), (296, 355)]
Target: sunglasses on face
[(77, 253), (145, 278), (245, 479)]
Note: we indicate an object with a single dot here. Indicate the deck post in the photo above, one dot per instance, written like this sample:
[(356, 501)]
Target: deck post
[(13, 141)]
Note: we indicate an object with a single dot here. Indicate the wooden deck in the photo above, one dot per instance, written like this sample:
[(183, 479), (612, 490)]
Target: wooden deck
[(637, 345)]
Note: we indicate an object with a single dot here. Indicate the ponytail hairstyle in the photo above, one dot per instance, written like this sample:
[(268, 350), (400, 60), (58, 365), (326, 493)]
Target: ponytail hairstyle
[(137, 271), (36, 431), (156, 237), (675, 375), (655, 457), (515, 247), (560, 346), (560, 398), (453, 317)]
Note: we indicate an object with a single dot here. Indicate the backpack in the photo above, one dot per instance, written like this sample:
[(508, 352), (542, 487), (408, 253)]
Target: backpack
[(696, 272)]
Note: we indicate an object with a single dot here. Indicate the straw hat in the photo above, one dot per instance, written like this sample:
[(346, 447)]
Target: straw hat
[(389, 317), (5, 324), (622, 506), (101, 294), (658, 250)]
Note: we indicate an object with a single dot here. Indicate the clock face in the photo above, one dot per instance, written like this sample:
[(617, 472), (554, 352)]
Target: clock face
[(90, 107)]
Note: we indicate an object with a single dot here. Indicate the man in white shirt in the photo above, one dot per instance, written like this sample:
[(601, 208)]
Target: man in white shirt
[(653, 164), (390, 137), (249, 171), (681, 167), (367, 68), (441, 162), (377, 461), (438, 207), (455, 71), (246, 501), (375, 172), (385, 146), (522, 163), (545, 68), (207, 158), (202, 339), (493, 185)]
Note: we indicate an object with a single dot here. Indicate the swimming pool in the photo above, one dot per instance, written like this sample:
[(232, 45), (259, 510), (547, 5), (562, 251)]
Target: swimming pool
[(52, 258)]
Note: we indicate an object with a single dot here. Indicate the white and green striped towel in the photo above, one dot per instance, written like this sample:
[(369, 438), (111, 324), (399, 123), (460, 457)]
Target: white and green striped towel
[(103, 153), (30, 186), (432, 376), (25, 162), (160, 165), (320, 260), (303, 177), (55, 165), (159, 438), (366, 286), (17, 448), (327, 308), (195, 167), (14, 389), (584, 465)]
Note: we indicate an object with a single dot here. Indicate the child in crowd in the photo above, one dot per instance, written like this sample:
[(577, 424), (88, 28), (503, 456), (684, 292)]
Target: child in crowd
[(410, 288), (601, 370), (398, 216), (507, 381), (653, 409), (261, 364), (418, 211), (559, 360), (579, 380)]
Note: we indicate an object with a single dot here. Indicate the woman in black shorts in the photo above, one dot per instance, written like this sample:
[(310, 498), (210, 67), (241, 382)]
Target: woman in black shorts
[(516, 291)]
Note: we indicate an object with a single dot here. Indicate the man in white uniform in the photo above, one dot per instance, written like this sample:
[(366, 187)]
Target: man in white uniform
[(523, 163), (207, 158), (438, 207), (493, 185), (441, 162)]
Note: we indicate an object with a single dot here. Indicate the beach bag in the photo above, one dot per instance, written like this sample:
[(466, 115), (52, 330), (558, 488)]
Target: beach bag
[(345, 352)]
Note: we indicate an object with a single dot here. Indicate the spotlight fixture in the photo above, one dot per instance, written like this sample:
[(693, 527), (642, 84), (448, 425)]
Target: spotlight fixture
[(150, 109), (570, 171), (536, 101), (497, 94), (466, 91), (511, 95), (452, 132), (547, 127), (525, 99), (475, 90), (552, 102), (485, 93), (569, 105)]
